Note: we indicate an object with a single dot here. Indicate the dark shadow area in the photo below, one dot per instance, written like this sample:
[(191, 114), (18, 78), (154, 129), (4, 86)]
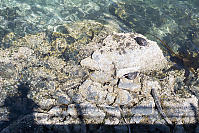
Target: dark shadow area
[(18, 105), (98, 128)]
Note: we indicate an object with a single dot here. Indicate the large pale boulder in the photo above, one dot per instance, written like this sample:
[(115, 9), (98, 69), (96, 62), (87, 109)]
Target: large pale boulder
[(122, 53)]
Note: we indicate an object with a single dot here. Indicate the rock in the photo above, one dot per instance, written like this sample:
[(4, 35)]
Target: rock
[(93, 92), (55, 111), (155, 116), (129, 85), (64, 99), (101, 77), (145, 108), (124, 98), (112, 111), (181, 110), (72, 111), (45, 104), (148, 83), (92, 64), (111, 121), (136, 119), (122, 54), (92, 114), (110, 98)]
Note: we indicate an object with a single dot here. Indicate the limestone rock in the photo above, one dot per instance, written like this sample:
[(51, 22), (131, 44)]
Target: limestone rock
[(91, 113), (112, 111), (129, 85), (93, 91), (112, 121), (121, 53), (145, 108), (136, 119), (124, 97), (182, 110), (101, 77)]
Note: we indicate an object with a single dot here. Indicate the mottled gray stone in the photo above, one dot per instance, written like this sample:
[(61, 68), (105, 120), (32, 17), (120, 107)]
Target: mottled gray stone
[(182, 110), (123, 97), (136, 119), (145, 108), (147, 84), (93, 91), (72, 111), (112, 111), (91, 113), (45, 104), (129, 85), (110, 98), (125, 58), (154, 117), (112, 121), (64, 99), (56, 111), (101, 77)]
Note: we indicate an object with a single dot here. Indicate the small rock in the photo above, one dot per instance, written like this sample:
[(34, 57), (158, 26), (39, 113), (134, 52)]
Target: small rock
[(145, 108), (148, 84), (93, 92), (45, 104), (129, 85), (92, 114), (110, 98), (131, 75), (72, 111), (64, 99), (123, 98), (112, 121), (141, 41), (55, 111), (92, 64), (136, 119), (101, 77), (112, 111)]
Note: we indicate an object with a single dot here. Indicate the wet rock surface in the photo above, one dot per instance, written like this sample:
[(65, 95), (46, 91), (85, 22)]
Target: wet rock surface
[(104, 87)]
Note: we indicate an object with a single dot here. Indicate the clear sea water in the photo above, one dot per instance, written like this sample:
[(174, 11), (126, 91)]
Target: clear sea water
[(174, 21)]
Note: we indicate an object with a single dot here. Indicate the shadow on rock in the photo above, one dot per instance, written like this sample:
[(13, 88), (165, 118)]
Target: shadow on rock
[(18, 106)]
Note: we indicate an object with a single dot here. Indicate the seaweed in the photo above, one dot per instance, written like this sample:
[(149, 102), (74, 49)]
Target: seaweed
[(188, 60)]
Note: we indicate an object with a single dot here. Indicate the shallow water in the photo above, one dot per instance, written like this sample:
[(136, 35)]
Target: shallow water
[(174, 21)]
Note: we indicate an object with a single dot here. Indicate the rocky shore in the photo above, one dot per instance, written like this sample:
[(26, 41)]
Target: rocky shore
[(92, 78)]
